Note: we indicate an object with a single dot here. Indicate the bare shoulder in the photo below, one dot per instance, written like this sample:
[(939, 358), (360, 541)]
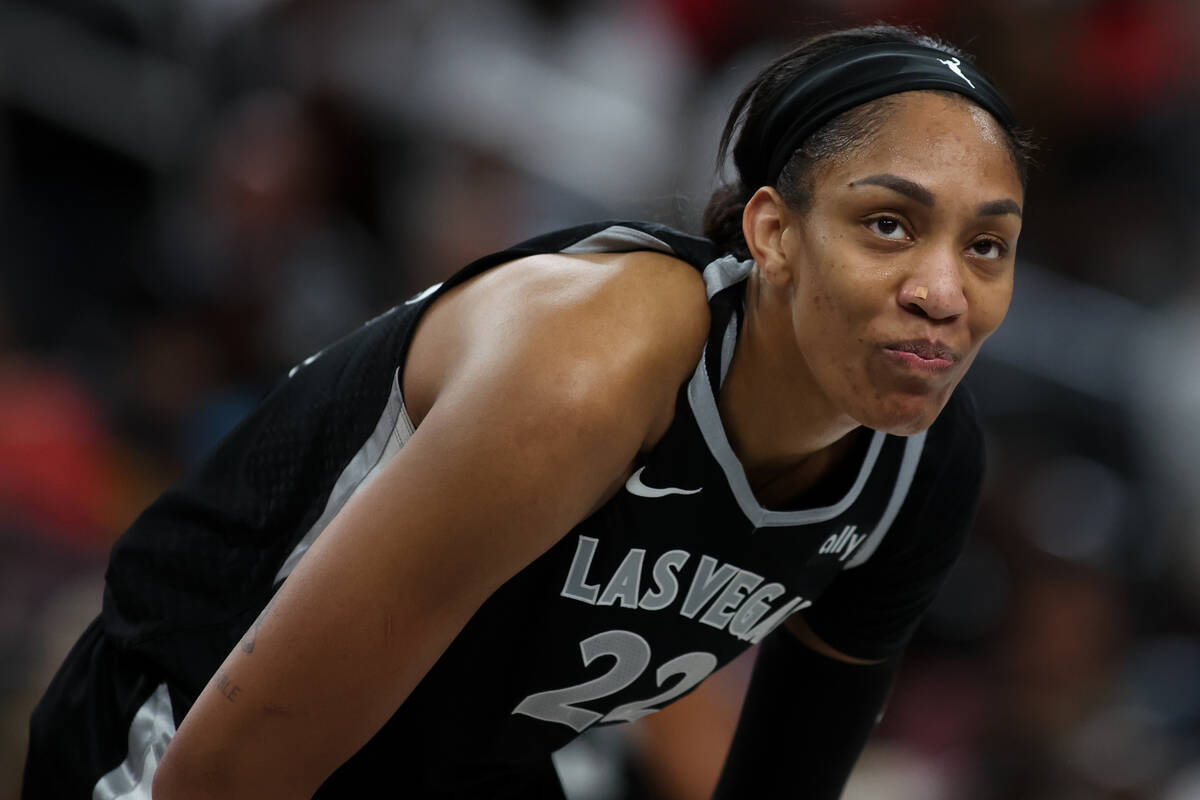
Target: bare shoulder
[(543, 380), (634, 323)]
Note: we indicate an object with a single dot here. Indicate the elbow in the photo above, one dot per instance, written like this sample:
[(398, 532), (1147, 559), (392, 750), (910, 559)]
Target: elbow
[(180, 777), (187, 773), (170, 783), (167, 784)]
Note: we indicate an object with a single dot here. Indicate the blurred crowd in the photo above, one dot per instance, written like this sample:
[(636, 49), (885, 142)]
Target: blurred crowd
[(196, 195)]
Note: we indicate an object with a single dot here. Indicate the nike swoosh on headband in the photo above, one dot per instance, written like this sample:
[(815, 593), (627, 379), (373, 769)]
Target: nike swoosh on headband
[(636, 487), (422, 295)]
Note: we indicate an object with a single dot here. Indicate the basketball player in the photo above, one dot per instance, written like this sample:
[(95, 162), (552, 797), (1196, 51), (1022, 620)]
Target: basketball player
[(563, 487)]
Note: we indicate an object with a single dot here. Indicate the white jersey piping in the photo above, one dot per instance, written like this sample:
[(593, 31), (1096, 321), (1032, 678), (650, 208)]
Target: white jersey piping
[(616, 239), (719, 275), (151, 731), (908, 468), (391, 432)]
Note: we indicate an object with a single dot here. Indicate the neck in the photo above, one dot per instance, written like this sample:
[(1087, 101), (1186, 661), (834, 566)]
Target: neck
[(782, 426)]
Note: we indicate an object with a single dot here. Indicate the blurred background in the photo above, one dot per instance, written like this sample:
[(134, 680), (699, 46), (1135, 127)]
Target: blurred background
[(197, 194)]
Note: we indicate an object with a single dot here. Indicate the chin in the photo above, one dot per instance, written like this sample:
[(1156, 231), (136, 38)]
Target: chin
[(910, 427), (904, 416)]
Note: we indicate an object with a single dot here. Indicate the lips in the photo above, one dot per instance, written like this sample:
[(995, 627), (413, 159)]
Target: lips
[(925, 349), (922, 355)]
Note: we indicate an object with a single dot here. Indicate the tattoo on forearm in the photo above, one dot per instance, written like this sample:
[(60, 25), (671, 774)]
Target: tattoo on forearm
[(251, 636), (228, 689)]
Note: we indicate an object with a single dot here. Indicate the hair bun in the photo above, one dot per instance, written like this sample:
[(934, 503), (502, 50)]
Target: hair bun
[(723, 219)]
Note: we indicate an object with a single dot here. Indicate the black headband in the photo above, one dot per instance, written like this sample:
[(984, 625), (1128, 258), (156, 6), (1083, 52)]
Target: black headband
[(852, 78)]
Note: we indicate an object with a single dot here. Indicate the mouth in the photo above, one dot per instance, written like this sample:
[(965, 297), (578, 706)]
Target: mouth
[(923, 355)]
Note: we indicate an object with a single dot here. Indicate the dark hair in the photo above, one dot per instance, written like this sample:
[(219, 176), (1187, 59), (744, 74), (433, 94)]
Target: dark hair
[(723, 216)]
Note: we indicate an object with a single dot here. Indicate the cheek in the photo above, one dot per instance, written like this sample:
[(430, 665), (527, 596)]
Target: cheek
[(837, 298), (830, 319), (820, 313), (991, 306)]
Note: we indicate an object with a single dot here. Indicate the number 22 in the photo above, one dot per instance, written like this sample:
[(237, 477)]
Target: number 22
[(632, 654)]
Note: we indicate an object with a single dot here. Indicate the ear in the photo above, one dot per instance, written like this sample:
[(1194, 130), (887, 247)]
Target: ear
[(763, 224)]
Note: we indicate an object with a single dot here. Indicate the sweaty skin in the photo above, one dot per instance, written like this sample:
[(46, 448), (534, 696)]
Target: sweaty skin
[(555, 371), (933, 202)]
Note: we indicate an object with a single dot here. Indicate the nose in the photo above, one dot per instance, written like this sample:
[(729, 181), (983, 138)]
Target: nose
[(935, 289)]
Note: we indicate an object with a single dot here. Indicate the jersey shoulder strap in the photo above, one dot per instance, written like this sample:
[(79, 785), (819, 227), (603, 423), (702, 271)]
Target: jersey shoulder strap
[(610, 236)]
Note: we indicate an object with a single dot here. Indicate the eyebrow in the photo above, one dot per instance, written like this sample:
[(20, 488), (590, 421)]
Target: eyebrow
[(897, 184), (994, 208), (926, 198)]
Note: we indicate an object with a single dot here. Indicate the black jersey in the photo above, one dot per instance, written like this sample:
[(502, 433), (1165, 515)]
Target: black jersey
[(675, 575)]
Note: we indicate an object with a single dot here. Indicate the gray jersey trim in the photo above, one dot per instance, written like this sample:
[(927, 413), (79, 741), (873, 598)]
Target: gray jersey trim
[(394, 426), (704, 408), (725, 272), (721, 274), (908, 468), (391, 432), (151, 731), (616, 239)]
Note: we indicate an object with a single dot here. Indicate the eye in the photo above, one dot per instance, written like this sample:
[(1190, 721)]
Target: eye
[(988, 248), (888, 228)]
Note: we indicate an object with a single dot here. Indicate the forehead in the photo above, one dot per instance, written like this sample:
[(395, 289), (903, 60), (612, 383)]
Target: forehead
[(932, 138)]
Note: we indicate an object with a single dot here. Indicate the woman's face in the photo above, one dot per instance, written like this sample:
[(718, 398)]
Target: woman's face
[(903, 263)]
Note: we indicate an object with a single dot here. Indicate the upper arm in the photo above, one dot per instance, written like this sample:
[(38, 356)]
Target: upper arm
[(525, 432)]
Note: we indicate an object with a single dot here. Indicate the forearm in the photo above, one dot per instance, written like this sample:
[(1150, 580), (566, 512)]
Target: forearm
[(804, 723)]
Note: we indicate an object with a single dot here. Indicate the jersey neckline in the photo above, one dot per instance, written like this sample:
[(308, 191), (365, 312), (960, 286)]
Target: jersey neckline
[(719, 275)]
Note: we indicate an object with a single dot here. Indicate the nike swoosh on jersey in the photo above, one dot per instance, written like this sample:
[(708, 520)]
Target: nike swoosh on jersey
[(635, 486)]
